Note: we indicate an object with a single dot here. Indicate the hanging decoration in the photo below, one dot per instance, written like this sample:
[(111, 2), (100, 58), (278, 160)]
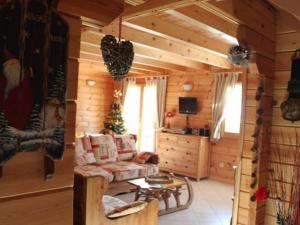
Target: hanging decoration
[(291, 107), (117, 55), (240, 55), (257, 135), (33, 64)]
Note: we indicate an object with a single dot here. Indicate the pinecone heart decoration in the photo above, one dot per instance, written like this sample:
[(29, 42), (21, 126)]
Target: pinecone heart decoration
[(117, 56)]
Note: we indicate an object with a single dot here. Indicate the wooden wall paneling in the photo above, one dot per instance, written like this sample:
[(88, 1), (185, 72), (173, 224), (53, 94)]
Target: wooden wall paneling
[(202, 84), (47, 208), (24, 174), (287, 42), (93, 102)]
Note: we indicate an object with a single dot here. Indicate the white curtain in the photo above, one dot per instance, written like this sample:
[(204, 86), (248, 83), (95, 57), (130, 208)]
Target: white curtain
[(161, 83), (125, 87), (149, 115), (222, 82), (131, 108)]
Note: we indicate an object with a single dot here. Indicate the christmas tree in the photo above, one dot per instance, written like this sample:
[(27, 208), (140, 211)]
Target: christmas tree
[(114, 121)]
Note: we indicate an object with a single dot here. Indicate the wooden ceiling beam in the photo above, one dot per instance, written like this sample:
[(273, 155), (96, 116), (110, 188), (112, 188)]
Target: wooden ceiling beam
[(292, 6), (157, 65), (166, 45), (256, 14), (152, 7), (110, 10), (208, 21), (164, 29), (101, 67), (225, 27), (135, 65), (93, 38)]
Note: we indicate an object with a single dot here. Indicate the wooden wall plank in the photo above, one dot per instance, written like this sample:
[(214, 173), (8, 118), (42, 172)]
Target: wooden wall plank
[(93, 102), (46, 208)]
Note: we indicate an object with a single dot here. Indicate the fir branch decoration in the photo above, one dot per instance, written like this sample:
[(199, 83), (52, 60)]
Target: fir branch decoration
[(240, 55), (117, 56)]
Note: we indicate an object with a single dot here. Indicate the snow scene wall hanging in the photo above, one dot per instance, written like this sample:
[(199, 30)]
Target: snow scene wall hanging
[(117, 55), (33, 61)]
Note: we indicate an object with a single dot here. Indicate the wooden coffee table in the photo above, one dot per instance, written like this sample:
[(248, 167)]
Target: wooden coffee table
[(163, 192)]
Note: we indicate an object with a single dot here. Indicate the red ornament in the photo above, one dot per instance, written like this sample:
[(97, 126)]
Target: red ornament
[(169, 114), (262, 194)]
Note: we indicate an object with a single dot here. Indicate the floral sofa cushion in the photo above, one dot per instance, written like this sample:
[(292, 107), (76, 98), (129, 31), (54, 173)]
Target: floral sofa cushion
[(94, 170), (126, 146), (83, 152), (104, 149), (125, 170)]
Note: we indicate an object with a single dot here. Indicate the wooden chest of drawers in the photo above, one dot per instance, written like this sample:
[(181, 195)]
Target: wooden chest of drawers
[(183, 154)]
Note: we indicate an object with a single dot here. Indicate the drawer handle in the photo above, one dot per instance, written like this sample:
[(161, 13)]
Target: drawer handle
[(167, 139), (188, 153), (167, 150), (166, 162), (186, 167), (188, 142)]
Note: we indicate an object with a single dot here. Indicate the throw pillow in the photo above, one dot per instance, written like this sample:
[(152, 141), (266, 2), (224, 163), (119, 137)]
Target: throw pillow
[(104, 149), (126, 146), (83, 156), (143, 157)]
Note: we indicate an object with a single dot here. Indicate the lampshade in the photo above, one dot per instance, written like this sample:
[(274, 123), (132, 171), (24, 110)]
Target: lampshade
[(187, 87), (91, 83)]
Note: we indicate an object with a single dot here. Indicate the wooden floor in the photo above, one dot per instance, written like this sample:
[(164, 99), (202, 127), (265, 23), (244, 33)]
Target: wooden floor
[(211, 206)]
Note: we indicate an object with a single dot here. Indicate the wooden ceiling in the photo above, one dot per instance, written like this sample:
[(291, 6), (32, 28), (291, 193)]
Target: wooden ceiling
[(168, 36)]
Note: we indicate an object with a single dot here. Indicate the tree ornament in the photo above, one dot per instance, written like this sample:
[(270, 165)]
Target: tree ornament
[(117, 55), (240, 55)]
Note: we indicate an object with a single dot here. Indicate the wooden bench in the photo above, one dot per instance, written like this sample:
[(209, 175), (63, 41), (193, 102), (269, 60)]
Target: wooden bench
[(89, 210)]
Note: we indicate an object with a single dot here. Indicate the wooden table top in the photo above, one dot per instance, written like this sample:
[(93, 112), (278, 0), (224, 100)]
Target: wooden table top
[(141, 183)]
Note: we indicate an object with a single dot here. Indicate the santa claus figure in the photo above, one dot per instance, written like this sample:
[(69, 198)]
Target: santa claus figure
[(16, 100)]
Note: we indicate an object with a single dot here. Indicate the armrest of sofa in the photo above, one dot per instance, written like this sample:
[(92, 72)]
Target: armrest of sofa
[(89, 210)]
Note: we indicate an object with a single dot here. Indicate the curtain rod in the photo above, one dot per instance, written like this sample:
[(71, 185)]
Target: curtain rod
[(216, 73), (145, 77)]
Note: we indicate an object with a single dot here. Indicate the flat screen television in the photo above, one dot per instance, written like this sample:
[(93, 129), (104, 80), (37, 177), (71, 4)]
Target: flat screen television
[(188, 105)]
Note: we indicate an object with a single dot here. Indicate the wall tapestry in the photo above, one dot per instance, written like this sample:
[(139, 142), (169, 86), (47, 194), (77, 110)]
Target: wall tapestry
[(33, 64)]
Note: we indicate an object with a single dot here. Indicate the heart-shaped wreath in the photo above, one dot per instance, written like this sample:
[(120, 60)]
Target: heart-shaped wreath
[(240, 55), (117, 56)]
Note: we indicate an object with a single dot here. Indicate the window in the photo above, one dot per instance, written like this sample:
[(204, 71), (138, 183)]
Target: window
[(131, 109), (140, 113), (233, 109)]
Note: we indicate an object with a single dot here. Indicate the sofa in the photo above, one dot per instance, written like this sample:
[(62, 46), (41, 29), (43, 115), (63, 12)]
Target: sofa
[(114, 157)]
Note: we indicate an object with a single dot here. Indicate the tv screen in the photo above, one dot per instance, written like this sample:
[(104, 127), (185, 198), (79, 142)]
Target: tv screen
[(188, 105)]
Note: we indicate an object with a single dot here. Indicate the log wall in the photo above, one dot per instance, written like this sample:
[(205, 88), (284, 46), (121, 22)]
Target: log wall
[(287, 43), (93, 101), (223, 155)]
